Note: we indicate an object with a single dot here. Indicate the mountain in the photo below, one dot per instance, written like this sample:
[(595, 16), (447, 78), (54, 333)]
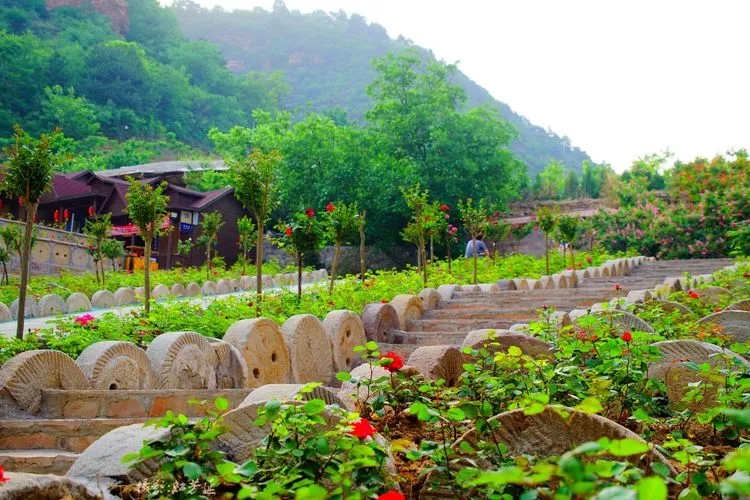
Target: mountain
[(326, 60)]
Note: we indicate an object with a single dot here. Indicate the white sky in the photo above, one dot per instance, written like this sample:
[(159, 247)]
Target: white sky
[(620, 78)]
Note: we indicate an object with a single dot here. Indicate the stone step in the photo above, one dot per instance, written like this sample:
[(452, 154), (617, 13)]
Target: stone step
[(458, 325), (66, 434), (490, 312), (406, 342), (37, 461), (127, 404)]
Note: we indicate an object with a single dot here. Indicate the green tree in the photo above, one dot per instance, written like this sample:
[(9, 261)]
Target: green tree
[(27, 175), (112, 250), (210, 226), (550, 182), (99, 228), (340, 221), (11, 242), (518, 232), (572, 186), (255, 182), (302, 234), (474, 218), (547, 218), (147, 208), (416, 200), (568, 229), (75, 116), (248, 235)]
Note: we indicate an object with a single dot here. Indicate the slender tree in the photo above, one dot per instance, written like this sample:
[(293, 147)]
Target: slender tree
[(248, 234), (567, 228), (361, 219), (210, 226), (98, 229), (302, 234), (255, 184), (474, 218), (28, 176), (547, 219), (340, 221), (147, 208), (416, 200)]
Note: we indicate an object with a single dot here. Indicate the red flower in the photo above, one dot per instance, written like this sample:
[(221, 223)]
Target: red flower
[(3, 478), (383, 301), (288, 231), (693, 294), (444, 207), (395, 362), (718, 310), (392, 495), (215, 273), (329, 207), (362, 428), (588, 259), (626, 336), (310, 213), (617, 287)]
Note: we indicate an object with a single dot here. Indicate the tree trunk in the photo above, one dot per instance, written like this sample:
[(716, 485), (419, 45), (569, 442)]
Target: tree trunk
[(259, 266), (25, 259), (432, 250), (244, 258), (362, 261), (101, 263), (147, 272), (5, 274), (572, 257), (476, 256), (546, 252), (208, 260), (448, 255), (299, 277), (336, 250)]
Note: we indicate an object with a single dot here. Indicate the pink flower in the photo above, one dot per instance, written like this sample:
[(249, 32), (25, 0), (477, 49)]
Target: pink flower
[(84, 319), (3, 478)]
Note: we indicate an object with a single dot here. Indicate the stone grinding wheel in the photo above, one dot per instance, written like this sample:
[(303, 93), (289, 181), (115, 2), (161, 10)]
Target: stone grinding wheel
[(439, 362), (25, 375), (231, 369), (431, 298), (182, 360), (378, 319), (114, 365), (407, 307), (243, 436), (263, 348), (309, 349), (345, 331)]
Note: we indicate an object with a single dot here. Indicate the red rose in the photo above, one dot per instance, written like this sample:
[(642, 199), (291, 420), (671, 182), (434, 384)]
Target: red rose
[(362, 428), (626, 336), (393, 363), (617, 287), (310, 213), (392, 495), (329, 207), (288, 231), (693, 294), (444, 207)]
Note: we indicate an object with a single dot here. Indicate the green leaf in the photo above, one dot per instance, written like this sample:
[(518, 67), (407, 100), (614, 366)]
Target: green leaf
[(615, 493), (627, 447), (589, 405), (314, 406), (661, 469), (221, 404), (515, 351), (192, 470), (455, 414), (652, 488), (312, 492), (343, 376)]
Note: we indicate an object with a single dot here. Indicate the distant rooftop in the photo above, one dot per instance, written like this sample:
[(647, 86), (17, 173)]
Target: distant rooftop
[(164, 168)]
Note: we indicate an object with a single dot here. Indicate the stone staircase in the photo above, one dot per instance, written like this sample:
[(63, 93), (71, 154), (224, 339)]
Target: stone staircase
[(69, 421), (472, 310)]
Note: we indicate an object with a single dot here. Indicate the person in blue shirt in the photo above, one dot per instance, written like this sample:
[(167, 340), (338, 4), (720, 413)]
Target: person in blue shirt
[(481, 248)]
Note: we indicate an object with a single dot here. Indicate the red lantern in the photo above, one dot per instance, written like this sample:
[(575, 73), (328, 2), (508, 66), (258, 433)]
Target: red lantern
[(56, 216), (20, 202), (66, 215), (91, 211), (2, 205)]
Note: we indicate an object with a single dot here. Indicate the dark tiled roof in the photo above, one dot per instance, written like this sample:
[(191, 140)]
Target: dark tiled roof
[(210, 197), (65, 188)]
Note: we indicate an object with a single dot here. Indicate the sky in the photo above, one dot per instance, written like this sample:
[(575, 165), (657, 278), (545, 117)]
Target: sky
[(621, 79)]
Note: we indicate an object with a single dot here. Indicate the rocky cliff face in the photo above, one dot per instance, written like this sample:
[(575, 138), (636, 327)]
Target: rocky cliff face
[(116, 10)]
